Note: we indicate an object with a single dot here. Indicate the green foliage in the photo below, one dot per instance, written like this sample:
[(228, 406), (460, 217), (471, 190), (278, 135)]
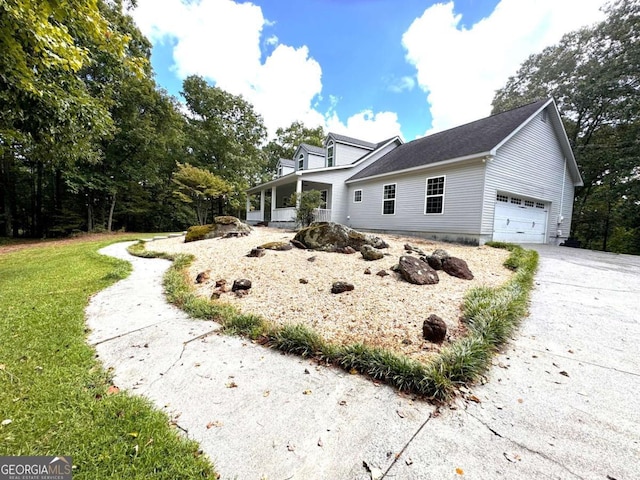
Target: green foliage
[(306, 203), (197, 232), (199, 187), (53, 388), (593, 75), (287, 141), (491, 314)]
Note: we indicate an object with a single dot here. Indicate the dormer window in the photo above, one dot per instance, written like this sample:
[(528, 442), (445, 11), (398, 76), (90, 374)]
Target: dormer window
[(330, 147), (301, 162), (280, 170)]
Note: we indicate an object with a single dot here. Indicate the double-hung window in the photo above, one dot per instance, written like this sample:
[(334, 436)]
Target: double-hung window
[(389, 199), (330, 154), (357, 196), (434, 198), (301, 162)]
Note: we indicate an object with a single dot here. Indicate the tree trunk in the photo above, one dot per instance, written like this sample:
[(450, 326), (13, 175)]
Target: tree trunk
[(111, 209), (38, 217)]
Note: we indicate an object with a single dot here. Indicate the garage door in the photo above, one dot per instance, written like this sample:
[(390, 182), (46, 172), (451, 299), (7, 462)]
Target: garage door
[(519, 220)]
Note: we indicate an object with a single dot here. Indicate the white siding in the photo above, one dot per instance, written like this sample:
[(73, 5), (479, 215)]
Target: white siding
[(347, 154), (462, 202), (315, 161), (531, 164)]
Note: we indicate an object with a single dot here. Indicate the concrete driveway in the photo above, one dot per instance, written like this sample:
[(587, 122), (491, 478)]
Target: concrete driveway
[(561, 401)]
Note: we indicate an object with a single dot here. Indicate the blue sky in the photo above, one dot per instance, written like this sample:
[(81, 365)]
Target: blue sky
[(366, 68)]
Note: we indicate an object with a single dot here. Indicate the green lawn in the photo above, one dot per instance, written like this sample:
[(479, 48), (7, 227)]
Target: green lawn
[(54, 397)]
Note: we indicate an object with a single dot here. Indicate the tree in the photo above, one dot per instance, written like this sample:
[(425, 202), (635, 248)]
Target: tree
[(306, 203), (224, 136), (594, 76), (199, 187), (287, 141)]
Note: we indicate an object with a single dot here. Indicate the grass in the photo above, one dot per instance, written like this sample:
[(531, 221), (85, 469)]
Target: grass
[(491, 314), (53, 389)]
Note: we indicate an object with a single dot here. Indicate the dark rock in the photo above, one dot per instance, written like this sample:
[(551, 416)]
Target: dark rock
[(297, 244), (256, 252), (415, 271), (348, 250), (241, 284), (406, 341), (329, 237), (382, 273), (202, 277), (222, 226), (370, 253), (456, 267), (241, 293), (367, 271), (436, 258), (311, 259), (434, 329), (221, 283), (340, 287), (215, 295), (303, 281), (410, 248), (279, 246)]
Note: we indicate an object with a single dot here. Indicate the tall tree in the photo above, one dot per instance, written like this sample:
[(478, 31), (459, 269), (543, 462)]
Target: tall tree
[(199, 187), (287, 141), (594, 75), (224, 136)]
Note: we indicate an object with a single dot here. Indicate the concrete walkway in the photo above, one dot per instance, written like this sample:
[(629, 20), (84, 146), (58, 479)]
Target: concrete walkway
[(561, 402)]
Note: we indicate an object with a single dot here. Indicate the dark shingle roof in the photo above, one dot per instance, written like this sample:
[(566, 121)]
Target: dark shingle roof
[(286, 162), (313, 148), (475, 137), (354, 141)]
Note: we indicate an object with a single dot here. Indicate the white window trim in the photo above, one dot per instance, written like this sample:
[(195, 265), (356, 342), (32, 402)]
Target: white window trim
[(301, 162), (354, 196), (395, 190), (444, 191), (331, 145)]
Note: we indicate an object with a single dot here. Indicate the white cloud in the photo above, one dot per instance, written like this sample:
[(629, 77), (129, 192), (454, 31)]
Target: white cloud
[(461, 68), (366, 125), (220, 40), (402, 84)]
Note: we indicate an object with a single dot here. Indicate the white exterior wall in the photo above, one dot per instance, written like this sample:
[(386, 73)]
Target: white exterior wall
[(315, 161), (462, 203), (531, 164), (347, 154)]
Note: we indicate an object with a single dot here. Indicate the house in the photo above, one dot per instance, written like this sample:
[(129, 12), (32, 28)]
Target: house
[(507, 177)]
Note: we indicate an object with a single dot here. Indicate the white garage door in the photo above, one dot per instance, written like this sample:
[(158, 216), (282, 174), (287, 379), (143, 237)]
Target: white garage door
[(519, 220)]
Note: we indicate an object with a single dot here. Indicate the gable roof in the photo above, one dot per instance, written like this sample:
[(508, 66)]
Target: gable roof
[(285, 162), (352, 141), (478, 137), (312, 148)]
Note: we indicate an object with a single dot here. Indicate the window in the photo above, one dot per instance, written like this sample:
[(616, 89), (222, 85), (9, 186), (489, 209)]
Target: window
[(516, 201), (434, 202), (389, 199), (330, 154), (539, 205), (528, 203), (357, 196), (280, 171), (502, 198), (301, 162)]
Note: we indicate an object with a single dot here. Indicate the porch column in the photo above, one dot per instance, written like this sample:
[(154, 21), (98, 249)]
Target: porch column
[(273, 201), (298, 192), (248, 205), (262, 195)]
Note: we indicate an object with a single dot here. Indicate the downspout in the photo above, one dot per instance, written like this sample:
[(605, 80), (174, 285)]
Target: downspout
[(560, 216)]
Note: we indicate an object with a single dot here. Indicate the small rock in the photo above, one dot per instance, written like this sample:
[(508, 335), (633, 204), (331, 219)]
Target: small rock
[(241, 284), (340, 287), (456, 267), (303, 281), (367, 271), (241, 293), (436, 258), (311, 259), (382, 273), (370, 253), (434, 329), (256, 252), (202, 277), (348, 250), (406, 341), (221, 283), (279, 246)]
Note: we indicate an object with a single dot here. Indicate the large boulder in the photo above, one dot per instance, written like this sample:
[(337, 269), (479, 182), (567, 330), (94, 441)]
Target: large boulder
[(222, 226), (330, 237), (456, 267), (436, 258), (415, 271)]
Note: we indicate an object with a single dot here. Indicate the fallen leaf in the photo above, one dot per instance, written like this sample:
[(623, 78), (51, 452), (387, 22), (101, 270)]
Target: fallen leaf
[(342, 402), (570, 351), (133, 434), (291, 447), (231, 385), (6, 422), (266, 393), (520, 400), (112, 390), (473, 398), (400, 413), (459, 471), (564, 373), (215, 423), (353, 371), (307, 392)]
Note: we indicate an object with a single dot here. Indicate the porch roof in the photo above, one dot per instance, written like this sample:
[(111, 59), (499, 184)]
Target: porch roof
[(284, 180)]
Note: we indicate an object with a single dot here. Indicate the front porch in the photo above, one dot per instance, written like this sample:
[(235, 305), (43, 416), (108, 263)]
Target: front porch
[(272, 202)]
